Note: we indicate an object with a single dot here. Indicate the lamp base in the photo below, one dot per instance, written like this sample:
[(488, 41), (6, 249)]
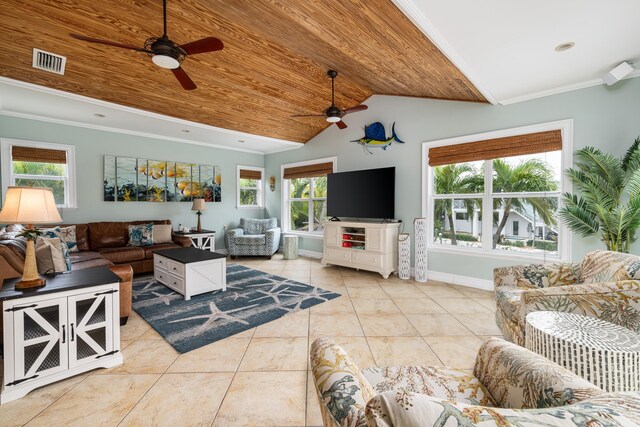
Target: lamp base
[(28, 284)]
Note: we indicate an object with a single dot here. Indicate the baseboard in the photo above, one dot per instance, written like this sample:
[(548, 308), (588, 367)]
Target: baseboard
[(310, 254), (455, 279), (222, 251)]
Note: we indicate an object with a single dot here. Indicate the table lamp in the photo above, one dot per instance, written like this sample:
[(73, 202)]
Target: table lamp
[(198, 205), (29, 205)]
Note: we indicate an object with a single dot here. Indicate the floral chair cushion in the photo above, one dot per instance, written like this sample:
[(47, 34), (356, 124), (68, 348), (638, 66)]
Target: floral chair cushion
[(508, 301), (408, 409), (342, 390), (518, 378), (606, 266), (441, 382)]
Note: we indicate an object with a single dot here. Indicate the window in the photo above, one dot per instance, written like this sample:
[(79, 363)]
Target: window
[(39, 164), (514, 174), (304, 195), (250, 184)]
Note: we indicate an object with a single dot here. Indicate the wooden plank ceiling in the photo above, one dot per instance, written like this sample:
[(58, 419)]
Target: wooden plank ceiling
[(273, 64)]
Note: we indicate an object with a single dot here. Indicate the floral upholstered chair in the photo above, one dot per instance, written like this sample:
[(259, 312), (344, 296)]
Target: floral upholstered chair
[(254, 237), (605, 285), (508, 382)]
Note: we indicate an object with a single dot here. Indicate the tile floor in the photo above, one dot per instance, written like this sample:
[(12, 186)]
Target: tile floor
[(261, 377)]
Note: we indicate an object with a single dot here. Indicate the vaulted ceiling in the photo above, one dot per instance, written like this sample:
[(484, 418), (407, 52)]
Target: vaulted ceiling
[(273, 64)]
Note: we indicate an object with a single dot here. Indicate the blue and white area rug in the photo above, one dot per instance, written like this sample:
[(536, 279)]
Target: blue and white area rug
[(252, 298)]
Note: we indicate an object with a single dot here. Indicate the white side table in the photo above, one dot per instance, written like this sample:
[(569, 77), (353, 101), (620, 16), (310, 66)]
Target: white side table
[(290, 246), (604, 354), (205, 239)]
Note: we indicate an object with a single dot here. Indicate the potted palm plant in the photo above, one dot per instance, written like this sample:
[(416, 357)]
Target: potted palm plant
[(608, 204)]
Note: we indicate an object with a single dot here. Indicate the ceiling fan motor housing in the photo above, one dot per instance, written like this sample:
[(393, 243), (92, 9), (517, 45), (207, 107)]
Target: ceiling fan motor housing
[(164, 52), (333, 114)]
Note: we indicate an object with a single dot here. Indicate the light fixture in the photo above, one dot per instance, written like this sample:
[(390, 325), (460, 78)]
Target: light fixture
[(165, 61), (272, 183), (332, 119), (29, 205), (618, 73), (101, 116), (564, 46), (198, 205)]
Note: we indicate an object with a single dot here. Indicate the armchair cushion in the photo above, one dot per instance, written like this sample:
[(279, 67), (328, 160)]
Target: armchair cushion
[(257, 226), (253, 239), (606, 266), (518, 378), (441, 382), (536, 275), (409, 409)]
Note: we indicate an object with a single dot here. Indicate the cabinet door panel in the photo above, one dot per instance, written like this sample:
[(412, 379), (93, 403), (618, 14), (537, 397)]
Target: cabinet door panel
[(331, 235), (90, 327), (373, 239), (41, 338)]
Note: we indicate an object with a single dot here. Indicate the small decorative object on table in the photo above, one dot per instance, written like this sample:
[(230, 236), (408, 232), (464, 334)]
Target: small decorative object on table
[(404, 256), (290, 246), (199, 206), (604, 354), (420, 230), (29, 205)]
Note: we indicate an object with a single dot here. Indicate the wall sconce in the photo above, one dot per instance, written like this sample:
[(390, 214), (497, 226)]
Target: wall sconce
[(272, 183)]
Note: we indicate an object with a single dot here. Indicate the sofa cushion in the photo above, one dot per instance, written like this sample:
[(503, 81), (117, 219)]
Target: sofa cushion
[(92, 263), (123, 255), (82, 237), (445, 383), (108, 235), (149, 250), (255, 240), (257, 226), (82, 256), (162, 234), (607, 266)]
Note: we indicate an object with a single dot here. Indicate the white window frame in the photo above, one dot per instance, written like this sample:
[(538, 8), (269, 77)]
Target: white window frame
[(285, 207), (8, 178), (260, 187), (564, 233)]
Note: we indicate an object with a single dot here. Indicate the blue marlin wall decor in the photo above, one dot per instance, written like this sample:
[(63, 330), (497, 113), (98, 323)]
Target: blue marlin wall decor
[(375, 137)]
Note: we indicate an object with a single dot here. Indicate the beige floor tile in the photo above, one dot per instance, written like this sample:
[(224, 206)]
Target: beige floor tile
[(294, 325), (489, 303), (313, 418), (346, 325), (19, 412), (124, 343), (439, 291), (422, 305), (221, 356), (151, 334), (144, 357), (461, 305), (401, 290), (456, 352), (474, 292), (135, 327), (360, 282), (356, 347), (275, 354), (264, 399), (480, 323), (245, 334), (437, 325), (386, 325), (374, 306), (98, 400), (340, 305), (393, 351), (298, 276), (181, 399), (369, 291)]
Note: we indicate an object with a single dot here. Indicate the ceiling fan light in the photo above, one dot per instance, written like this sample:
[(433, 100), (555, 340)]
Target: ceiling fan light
[(332, 119), (165, 61)]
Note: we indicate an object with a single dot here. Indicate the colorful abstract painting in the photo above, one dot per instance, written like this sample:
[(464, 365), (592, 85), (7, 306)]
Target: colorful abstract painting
[(127, 179)]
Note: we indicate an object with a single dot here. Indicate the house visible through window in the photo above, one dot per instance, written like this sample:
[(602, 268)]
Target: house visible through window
[(518, 178), (250, 186), (305, 195), (34, 164)]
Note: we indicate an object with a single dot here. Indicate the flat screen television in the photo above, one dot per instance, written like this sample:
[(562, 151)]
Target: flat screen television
[(362, 194)]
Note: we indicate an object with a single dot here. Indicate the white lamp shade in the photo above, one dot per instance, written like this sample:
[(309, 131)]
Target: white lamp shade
[(198, 205), (29, 205)]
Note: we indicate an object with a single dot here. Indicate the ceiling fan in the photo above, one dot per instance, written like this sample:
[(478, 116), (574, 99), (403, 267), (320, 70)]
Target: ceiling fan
[(334, 114), (164, 52)]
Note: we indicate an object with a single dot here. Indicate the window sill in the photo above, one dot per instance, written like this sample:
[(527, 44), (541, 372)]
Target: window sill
[(305, 234), (248, 206), (495, 254)]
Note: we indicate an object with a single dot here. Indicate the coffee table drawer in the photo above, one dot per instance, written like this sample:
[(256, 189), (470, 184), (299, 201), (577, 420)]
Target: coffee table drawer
[(176, 283), (176, 268), (160, 275), (160, 262)]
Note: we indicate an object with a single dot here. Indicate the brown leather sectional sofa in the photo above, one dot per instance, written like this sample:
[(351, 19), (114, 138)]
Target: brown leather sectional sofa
[(102, 244)]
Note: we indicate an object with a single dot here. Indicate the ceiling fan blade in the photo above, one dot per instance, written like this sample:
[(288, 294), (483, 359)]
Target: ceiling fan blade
[(207, 44), (105, 42), (184, 79), (355, 109), (341, 124), (307, 115)]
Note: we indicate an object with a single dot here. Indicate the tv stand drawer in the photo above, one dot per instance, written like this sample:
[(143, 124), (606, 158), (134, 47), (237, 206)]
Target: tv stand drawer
[(342, 255), (364, 258)]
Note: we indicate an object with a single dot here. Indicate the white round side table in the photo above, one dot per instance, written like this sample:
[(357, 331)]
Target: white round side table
[(604, 354), (290, 246)]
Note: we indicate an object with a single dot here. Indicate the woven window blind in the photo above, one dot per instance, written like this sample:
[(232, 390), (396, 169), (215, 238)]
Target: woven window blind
[(308, 171), (250, 174), (518, 145), (40, 155)]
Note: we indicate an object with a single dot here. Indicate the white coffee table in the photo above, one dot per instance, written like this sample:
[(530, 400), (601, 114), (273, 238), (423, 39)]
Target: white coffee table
[(604, 354), (190, 271)]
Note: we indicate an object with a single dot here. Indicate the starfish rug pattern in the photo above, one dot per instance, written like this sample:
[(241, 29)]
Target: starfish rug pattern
[(252, 298)]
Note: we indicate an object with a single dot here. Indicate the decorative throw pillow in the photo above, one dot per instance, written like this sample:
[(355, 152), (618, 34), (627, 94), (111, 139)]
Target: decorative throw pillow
[(69, 235), (49, 256), (162, 233), (141, 235)]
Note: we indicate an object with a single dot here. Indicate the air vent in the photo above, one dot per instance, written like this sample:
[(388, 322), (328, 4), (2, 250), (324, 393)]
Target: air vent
[(48, 61)]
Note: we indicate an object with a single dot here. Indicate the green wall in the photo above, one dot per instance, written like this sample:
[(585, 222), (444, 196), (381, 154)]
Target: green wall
[(604, 117), (91, 145)]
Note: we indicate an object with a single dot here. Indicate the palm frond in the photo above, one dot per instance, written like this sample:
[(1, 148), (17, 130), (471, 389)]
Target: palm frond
[(631, 159), (578, 216)]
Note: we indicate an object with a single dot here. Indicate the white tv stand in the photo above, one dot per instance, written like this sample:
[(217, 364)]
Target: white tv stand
[(368, 246)]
